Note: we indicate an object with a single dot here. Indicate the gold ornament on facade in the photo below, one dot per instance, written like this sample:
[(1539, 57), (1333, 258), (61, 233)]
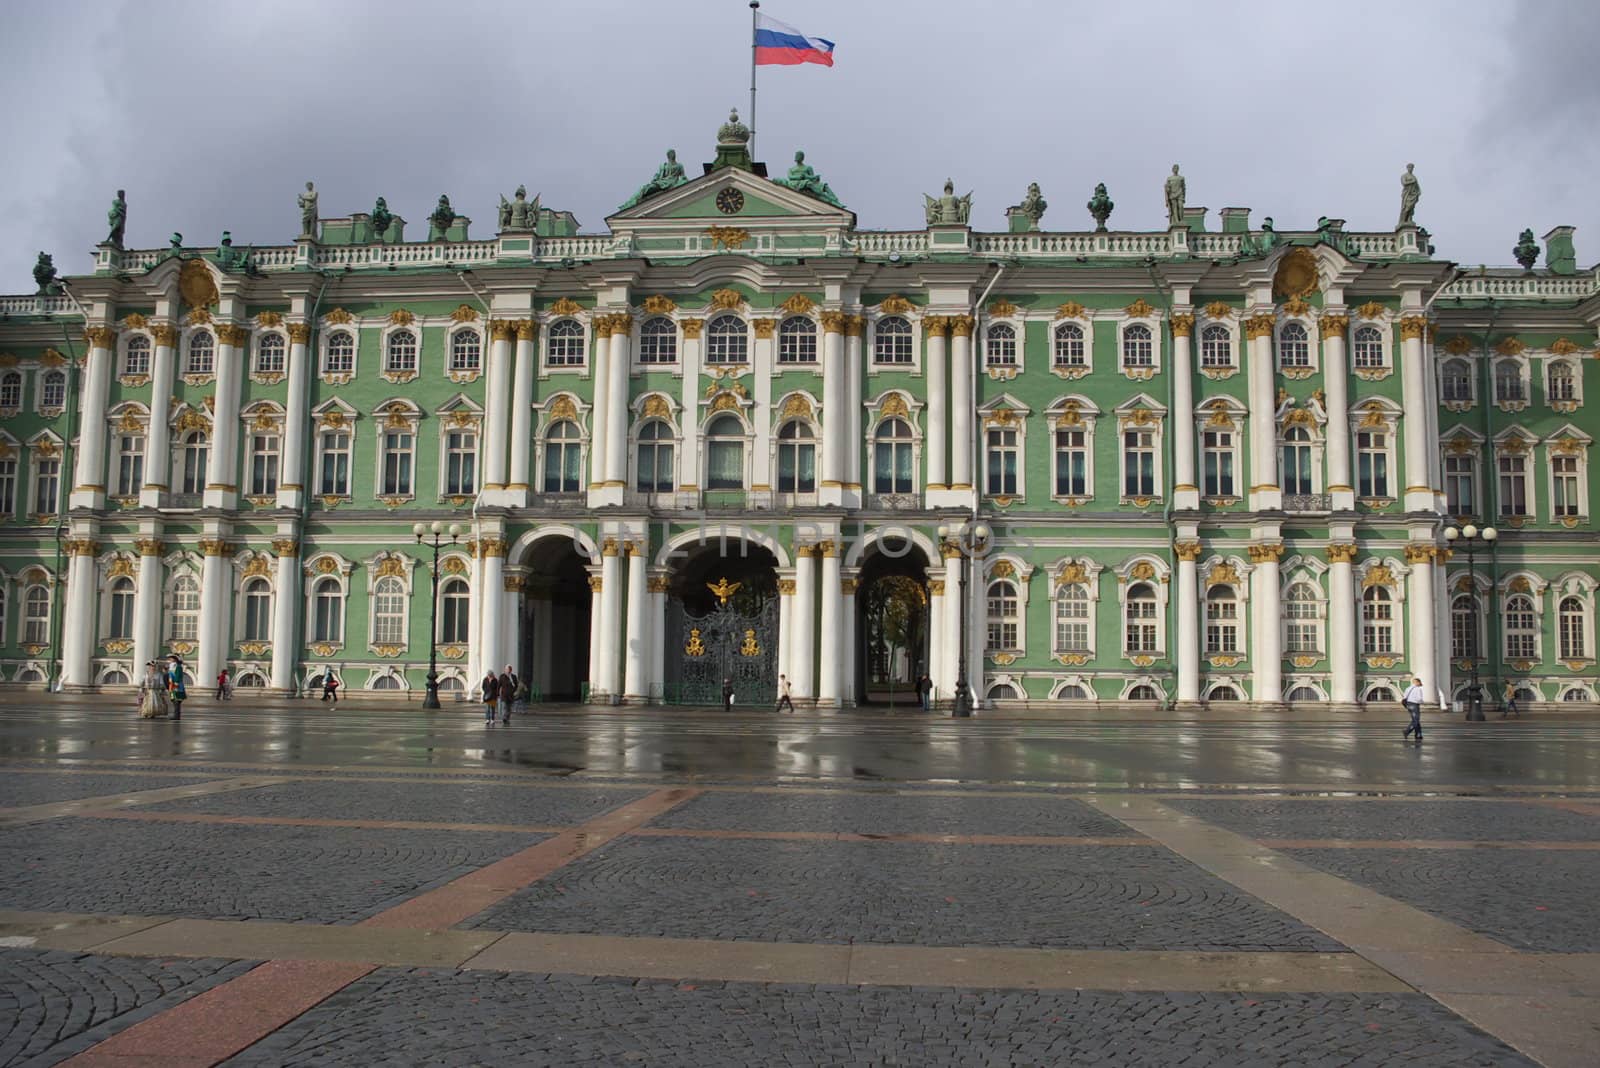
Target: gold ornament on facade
[(332, 419), (833, 322), (1183, 325), (1186, 550), (961, 325), (196, 285), (1143, 571), (691, 328), (257, 566), (464, 313), (513, 583), (1003, 659), (46, 448), (728, 237), (796, 407), (323, 650), (1303, 417), (131, 422), (1384, 662), (525, 329), (658, 584), (694, 647), (118, 646), (725, 401), (283, 547), (325, 565), (1568, 446), (656, 406), (565, 306), (1510, 346), (1459, 346), (1514, 445), (388, 652), (855, 326), (1220, 418), (1002, 309), (1000, 417), (893, 405), (1140, 309), (1072, 573), (135, 321), (1371, 310), (232, 335), (1222, 573), (750, 647), (1226, 660), (1269, 552), (1296, 305), (1002, 569), (213, 547), (659, 305), (609, 547), (1261, 325), (120, 567), (461, 419), (1297, 274), (390, 565), (1377, 575), (1218, 310), (255, 648), (1563, 347), (1413, 327), (896, 305), (1072, 310), (1302, 661), (561, 407), (1334, 325), (52, 358), (502, 330), (798, 304), (1139, 417), (764, 327), (100, 337), (338, 316), (1341, 553), (150, 546), (935, 325), (1416, 553), (492, 547)]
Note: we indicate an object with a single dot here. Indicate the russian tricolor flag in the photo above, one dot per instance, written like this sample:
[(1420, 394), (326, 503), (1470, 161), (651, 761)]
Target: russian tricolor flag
[(786, 46)]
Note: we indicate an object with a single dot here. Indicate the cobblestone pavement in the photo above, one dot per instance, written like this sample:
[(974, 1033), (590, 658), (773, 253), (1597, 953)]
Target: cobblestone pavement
[(1462, 821), (314, 874), (901, 893), (54, 1003), (17, 791), (454, 802), (1545, 901), (895, 814), (475, 1018)]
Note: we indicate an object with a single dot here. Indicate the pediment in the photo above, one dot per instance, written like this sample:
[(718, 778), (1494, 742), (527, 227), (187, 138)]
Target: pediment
[(765, 204)]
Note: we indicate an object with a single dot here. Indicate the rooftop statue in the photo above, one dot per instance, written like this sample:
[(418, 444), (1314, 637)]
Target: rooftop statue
[(117, 219), (1410, 193), (504, 214), (381, 218), (802, 179), (308, 211), (524, 212), (227, 256), (668, 176), (1260, 245), (1175, 190), (733, 132), (948, 208), (44, 274), (1100, 206), (1033, 205), (441, 219), (1526, 252)]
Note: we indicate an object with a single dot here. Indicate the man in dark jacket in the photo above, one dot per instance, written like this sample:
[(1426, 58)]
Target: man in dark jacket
[(491, 692), (506, 689), (727, 695)]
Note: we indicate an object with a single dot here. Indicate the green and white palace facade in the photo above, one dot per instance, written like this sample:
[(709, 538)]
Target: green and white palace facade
[(734, 435)]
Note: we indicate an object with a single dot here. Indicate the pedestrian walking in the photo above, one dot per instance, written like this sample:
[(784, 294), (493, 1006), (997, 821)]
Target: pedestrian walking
[(491, 694), (785, 700), (224, 692), (330, 687), (727, 695), (519, 693), (1509, 703), (1414, 696), (925, 691), (505, 691), (177, 690)]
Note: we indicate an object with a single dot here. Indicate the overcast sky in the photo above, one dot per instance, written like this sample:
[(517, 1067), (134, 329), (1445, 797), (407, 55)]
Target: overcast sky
[(213, 114)]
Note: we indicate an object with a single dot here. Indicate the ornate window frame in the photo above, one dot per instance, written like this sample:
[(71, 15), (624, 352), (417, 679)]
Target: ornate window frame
[(1139, 314), (181, 566), (1383, 338), (1462, 588), (1313, 343), (45, 445), (745, 333), (1377, 415), (1214, 683), (10, 454), (1516, 442), (450, 646), (319, 570), (388, 337), (1568, 443), (1147, 682), (1388, 574), (34, 579), (455, 332), (875, 318), (128, 374), (190, 375), (1464, 444), (747, 449), (1012, 569), (798, 407), (673, 332), (114, 569), (13, 383), (385, 567), (1221, 415), (1073, 316), (555, 325), (1458, 404), (1575, 585), (459, 414), (1211, 322), (1074, 412), (996, 341), (129, 420), (1074, 572), (648, 408), (1061, 683), (43, 379), (402, 416), (1313, 420), (562, 407), (262, 417), (250, 567), (259, 337), (782, 366), (893, 404), (1573, 363), (1304, 572), (333, 416), (1216, 572), (1154, 572), (1003, 413), (1519, 584), (332, 328), (1138, 414), (1523, 376), (1382, 319)]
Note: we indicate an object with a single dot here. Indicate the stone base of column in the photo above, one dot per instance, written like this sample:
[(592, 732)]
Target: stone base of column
[(291, 498), (610, 493), (1268, 706), (1345, 707), (1419, 500), (227, 500), (1186, 499), (946, 497), (1266, 499), (830, 495), (635, 699), (1195, 705), (501, 497), (81, 498), (1343, 499)]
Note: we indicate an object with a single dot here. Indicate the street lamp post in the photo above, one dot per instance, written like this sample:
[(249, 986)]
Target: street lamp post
[(970, 540), (434, 532), (1471, 538)]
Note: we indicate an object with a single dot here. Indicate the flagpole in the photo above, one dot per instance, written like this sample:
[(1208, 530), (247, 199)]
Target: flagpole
[(754, 6)]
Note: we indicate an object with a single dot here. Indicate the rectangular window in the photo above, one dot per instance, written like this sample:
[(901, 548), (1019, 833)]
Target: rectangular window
[(8, 488), (1138, 463), (130, 464), (461, 456), (1072, 463), (263, 465), (1460, 494), (1072, 625), (1513, 484), (46, 486), (1372, 462), (1000, 474), (1218, 449), (335, 480), (1564, 485), (397, 463)]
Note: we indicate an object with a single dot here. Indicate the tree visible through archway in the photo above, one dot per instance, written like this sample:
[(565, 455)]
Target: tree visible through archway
[(895, 610)]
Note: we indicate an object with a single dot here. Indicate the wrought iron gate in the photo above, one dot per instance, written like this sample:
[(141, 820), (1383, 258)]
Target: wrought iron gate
[(726, 643)]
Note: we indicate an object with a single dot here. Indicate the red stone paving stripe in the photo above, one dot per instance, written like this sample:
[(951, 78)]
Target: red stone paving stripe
[(1431, 843), (214, 1026), (469, 895), (849, 836), (307, 821)]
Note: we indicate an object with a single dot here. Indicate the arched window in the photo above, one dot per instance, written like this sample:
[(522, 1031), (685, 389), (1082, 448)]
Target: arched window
[(1143, 692), (1139, 619), (130, 464), (1137, 347), (563, 458), (340, 357), (725, 453), (193, 450), (1303, 693), (335, 481), (1296, 457), (1072, 692), (400, 354), (891, 340), (1455, 381), (184, 618), (389, 611), (892, 457), (1072, 618), (658, 340), (327, 615), (270, 351), (1463, 628), (1302, 622), (1576, 694), (460, 463), (797, 458), (46, 483), (1508, 382), (136, 358), (451, 684), (1367, 349), (53, 390), (201, 358), (1005, 617), (121, 623), (656, 469), (1570, 628), (1004, 691), (1222, 620), (1216, 347), (1069, 348), (1377, 621), (1524, 695), (466, 350), (36, 616), (1521, 628), (455, 609), (727, 340), (114, 677), (257, 610), (797, 340), (1294, 346), (1563, 384), (1223, 693), (564, 344), (386, 682), (11, 389), (250, 680), (1000, 345), (1379, 694)]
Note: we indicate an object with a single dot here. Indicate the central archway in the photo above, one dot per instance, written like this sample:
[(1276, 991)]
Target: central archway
[(556, 611), (722, 623), (893, 623)]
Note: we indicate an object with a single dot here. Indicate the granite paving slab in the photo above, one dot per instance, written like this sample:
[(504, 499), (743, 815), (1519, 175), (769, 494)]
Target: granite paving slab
[(1397, 820), (858, 813)]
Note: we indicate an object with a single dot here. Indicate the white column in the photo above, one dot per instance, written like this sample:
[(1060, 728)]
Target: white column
[(1185, 490), (611, 620), (77, 627), (1267, 644), (954, 568), (835, 420), (291, 490), (658, 637), (1342, 622), (215, 589), (689, 455), (89, 490), (491, 610), (147, 605), (849, 649), (521, 440), (1421, 614), (785, 624), (803, 643), (1414, 391), (496, 418), (285, 604), (596, 639), (635, 683), (1336, 387), (600, 438), (762, 361), (935, 447), (853, 371), (1264, 489), (1188, 620), (617, 401), (510, 623), (158, 447), (222, 466), (831, 662), (938, 637), (961, 402)]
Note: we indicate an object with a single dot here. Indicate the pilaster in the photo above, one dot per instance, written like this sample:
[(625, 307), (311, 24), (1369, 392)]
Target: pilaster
[(286, 604), (803, 643), (1266, 493), (636, 681), (1187, 549), (1185, 491), (1266, 602), (835, 420), (78, 625), (936, 328), (1336, 386), (222, 466), (1419, 556), (611, 620), (1342, 644), (216, 587), (496, 417), (158, 449), (89, 489), (1419, 495), (148, 598), (521, 443), (835, 661), (296, 462)]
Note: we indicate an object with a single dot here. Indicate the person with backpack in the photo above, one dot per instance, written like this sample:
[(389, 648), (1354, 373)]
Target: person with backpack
[(505, 691), (491, 693), (330, 687)]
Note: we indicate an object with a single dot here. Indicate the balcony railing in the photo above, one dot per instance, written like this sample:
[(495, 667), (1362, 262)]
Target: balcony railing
[(1307, 502), (894, 502)]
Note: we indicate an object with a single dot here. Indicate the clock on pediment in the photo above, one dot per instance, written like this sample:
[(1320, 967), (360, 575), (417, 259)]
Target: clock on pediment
[(730, 201)]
